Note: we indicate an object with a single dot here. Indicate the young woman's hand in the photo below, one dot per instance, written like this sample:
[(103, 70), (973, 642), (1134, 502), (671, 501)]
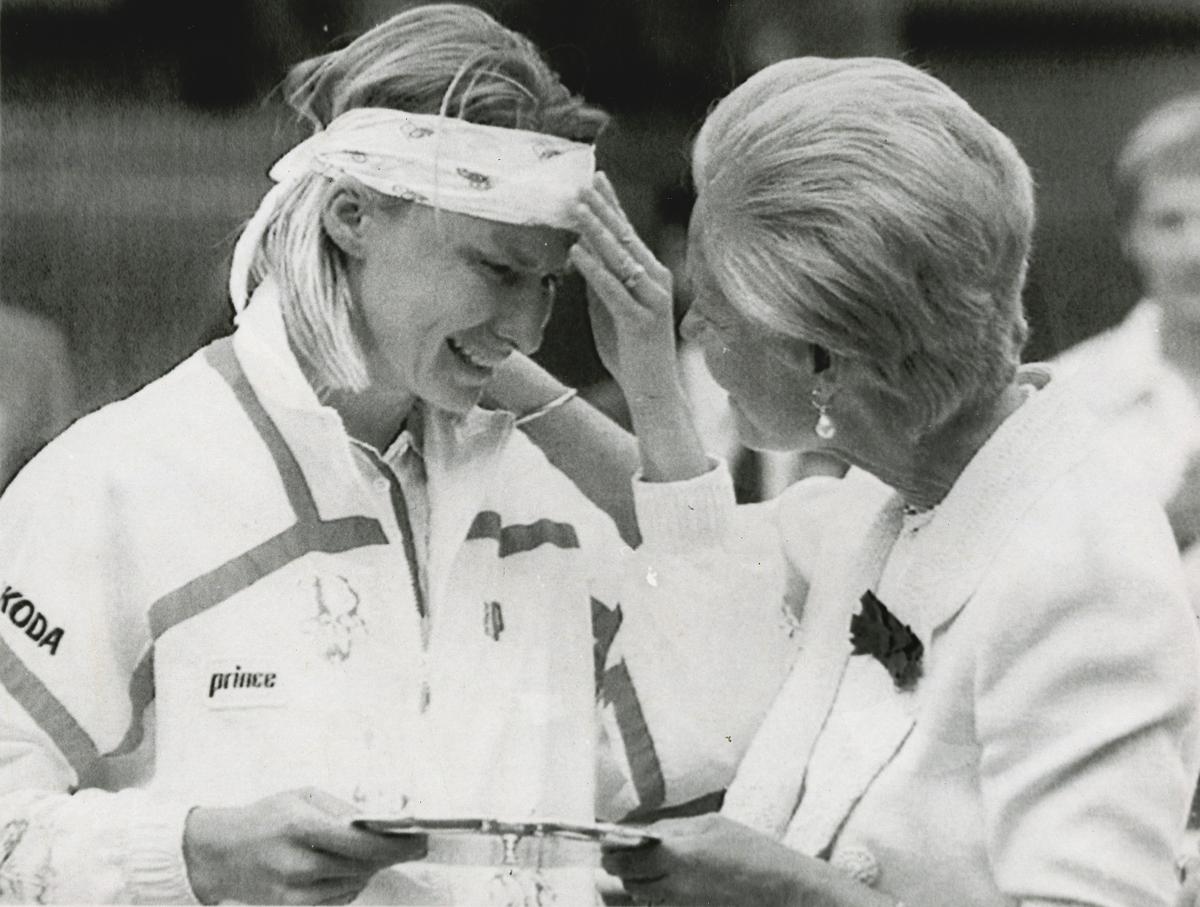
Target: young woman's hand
[(295, 847), (630, 293), (713, 860)]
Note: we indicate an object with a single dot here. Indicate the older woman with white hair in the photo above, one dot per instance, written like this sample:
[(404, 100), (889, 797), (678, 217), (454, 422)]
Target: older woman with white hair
[(995, 700)]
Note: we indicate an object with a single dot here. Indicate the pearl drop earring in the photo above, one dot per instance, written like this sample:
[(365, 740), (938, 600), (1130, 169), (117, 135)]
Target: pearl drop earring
[(825, 428)]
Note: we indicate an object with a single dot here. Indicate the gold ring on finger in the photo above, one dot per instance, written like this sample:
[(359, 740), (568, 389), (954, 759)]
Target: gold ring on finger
[(636, 273)]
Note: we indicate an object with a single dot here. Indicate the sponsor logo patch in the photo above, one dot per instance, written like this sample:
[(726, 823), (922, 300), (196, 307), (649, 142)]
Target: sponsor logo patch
[(234, 685), (25, 615)]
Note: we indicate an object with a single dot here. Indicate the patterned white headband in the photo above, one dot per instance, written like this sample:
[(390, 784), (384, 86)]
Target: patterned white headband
[(511, 176)]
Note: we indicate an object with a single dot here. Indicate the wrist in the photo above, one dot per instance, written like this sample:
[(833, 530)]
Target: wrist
[(520, 385), (201, 830), (670, 446), (152, 857), (548, 407), (656, 384), (657, 403)]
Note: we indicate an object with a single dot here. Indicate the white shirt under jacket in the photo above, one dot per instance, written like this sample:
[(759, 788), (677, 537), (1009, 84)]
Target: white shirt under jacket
[(205, 602), (1048, 753)]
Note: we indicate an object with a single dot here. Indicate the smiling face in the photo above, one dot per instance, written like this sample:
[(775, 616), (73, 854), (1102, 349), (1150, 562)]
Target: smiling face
[(444, 298)]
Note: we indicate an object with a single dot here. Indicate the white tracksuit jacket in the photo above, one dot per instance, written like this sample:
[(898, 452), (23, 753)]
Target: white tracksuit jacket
[(203, 602)]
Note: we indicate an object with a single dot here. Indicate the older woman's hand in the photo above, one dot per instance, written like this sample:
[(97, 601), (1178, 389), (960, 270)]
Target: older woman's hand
[(630, 293), (630, 299), (713, 860)]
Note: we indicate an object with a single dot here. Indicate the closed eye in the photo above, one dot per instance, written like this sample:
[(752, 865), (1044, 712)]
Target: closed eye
[(500, 271)]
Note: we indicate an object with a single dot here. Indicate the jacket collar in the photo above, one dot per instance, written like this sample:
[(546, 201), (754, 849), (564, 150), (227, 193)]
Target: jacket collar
[(460, 452), (950, 556), (1035, 446)]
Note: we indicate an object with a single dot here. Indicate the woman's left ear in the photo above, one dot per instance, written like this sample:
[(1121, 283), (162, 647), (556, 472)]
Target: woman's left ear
[(345, 215)]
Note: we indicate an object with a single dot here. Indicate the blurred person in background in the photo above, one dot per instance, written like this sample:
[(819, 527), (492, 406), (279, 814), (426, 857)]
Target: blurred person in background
[(1011, 716), (1143, 376), (303, 576), (37, 390)]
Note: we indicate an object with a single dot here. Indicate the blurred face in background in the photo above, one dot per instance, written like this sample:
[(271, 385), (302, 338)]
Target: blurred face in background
[(1163, 242)]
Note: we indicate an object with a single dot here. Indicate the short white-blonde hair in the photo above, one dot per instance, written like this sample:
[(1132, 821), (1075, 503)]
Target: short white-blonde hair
[(443, 58), (862, 205)]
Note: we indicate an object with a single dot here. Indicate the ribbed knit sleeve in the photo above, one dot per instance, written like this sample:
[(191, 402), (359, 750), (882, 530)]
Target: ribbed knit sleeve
[(677, 517)]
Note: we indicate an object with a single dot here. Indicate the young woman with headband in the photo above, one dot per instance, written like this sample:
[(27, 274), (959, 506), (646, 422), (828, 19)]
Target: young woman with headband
[(303, 576)]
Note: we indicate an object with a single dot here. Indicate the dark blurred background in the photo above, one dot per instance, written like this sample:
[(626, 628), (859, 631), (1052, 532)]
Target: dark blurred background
[(134, 136)]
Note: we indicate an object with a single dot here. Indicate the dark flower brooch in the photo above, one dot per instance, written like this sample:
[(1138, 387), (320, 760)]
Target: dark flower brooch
[(876, 631)]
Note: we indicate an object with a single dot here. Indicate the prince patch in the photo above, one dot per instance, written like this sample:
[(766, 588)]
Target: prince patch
[(243, 684)]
